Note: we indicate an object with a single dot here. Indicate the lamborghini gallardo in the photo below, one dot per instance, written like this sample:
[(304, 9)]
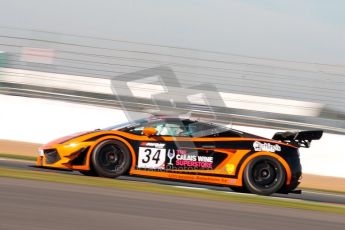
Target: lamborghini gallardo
[(184, 150)]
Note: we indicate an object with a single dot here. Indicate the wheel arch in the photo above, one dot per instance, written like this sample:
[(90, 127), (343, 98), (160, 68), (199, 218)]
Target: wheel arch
[(110, 137), (257, 154)]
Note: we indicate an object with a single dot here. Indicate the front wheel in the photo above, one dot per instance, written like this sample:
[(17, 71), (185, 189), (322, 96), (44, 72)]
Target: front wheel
[(264, 175), (111, 158)]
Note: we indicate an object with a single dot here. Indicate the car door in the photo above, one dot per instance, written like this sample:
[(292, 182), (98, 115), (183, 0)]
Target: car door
[(203, 143), (183, 149), (175, 146), (152, 150)]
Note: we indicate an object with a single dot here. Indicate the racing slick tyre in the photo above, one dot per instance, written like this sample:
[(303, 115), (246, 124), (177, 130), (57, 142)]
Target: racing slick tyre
[(111, 158), (264, 175)]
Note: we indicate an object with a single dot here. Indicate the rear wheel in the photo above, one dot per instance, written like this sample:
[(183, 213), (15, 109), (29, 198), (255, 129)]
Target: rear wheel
[(111, 158), (264, 175)]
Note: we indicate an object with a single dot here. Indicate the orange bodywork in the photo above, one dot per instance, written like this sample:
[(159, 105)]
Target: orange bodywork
[(229, 172)]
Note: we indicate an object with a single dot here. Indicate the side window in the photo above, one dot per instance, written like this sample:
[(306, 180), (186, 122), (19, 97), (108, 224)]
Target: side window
[(183, 129), (163, 129), (171, 129), (199, 129)]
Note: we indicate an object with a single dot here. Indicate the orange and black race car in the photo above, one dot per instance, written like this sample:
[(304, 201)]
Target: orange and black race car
[(186, 150)]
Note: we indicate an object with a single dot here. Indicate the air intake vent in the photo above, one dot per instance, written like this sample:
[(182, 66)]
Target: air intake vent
[(51, 156)]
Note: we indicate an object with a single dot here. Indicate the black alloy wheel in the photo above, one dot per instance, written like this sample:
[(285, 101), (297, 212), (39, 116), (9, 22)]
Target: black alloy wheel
[(111, 158), (264, 175)]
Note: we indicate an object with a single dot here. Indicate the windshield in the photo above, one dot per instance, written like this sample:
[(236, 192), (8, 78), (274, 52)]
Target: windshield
[(126, 124)]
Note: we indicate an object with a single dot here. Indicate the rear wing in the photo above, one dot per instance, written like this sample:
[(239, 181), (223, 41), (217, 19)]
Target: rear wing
[(298, 139)]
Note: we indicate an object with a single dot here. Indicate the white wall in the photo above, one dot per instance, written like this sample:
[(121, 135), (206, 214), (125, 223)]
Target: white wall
[(41, 120)]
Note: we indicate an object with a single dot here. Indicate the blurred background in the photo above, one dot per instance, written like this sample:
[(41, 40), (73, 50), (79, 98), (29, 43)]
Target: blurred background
[(259, 67)]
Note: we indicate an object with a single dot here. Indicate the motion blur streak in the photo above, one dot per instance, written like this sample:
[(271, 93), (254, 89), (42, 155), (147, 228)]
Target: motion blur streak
[(258, 91), (103, 86)]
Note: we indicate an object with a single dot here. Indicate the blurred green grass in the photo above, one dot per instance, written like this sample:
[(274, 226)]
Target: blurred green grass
[(17, 157)]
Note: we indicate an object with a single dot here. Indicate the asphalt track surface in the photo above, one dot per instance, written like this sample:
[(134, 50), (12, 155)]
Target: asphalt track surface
[(36, 205), (324, 197)]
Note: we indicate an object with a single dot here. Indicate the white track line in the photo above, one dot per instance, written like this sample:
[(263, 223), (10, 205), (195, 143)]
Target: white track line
[(325, 194)]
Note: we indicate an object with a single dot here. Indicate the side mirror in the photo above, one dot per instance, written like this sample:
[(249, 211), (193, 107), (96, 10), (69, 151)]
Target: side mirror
[(149, 131)]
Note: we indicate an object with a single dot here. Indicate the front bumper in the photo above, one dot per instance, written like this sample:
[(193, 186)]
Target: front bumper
[(64, 157)]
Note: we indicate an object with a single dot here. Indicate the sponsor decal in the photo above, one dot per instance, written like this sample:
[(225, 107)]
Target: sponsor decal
[(192, 159), (181, 151), (171, 155), (268, 147), (151, 155), (197, 164), (232, 181), (153, 144), (230, 168)]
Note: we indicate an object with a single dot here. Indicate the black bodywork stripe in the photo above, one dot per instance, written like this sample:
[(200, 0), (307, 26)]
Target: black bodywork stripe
[(95, 138)]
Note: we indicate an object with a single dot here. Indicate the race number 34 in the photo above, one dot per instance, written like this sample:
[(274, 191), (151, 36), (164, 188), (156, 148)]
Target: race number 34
[(152, 158)]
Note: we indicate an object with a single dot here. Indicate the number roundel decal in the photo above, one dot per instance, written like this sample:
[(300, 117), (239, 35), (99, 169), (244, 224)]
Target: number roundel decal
[(152, 155)]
